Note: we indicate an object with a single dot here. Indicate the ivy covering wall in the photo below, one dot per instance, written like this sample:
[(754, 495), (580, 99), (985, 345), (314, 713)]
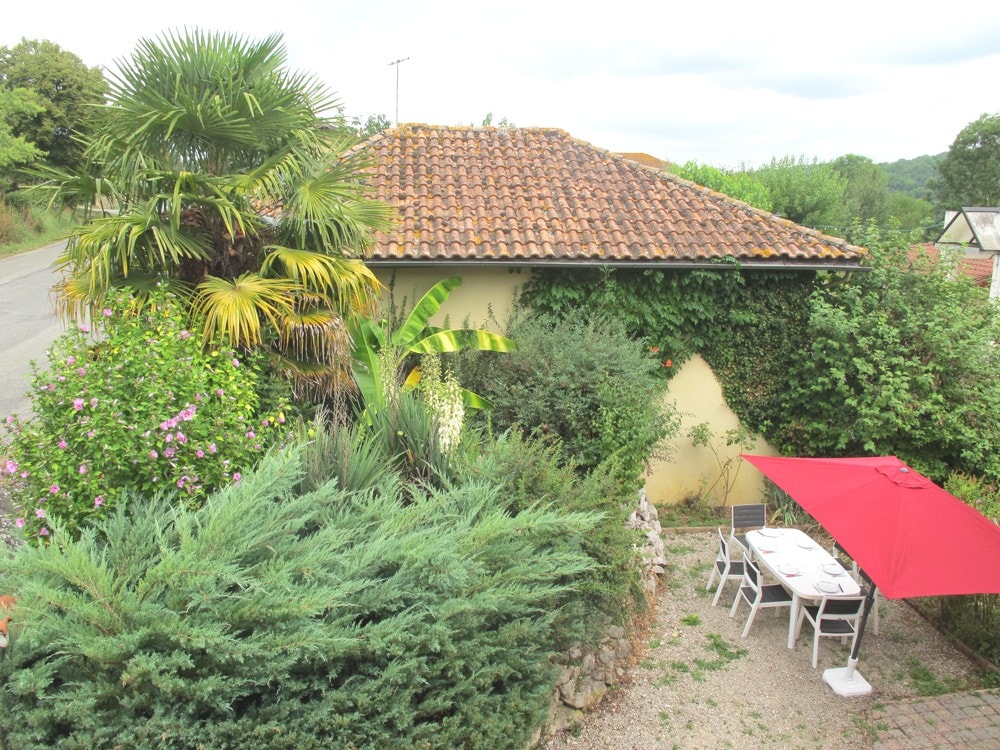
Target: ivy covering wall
[(899, 358)]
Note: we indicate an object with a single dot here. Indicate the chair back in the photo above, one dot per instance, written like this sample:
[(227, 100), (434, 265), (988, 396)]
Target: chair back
[(751, 573), (747, 516), (723, 546), (841, 608)]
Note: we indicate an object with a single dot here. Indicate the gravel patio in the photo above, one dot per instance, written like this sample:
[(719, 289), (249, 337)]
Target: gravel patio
[(699, 685)]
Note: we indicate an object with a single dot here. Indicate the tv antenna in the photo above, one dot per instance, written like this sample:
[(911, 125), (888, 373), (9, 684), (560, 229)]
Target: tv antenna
[(396, 63)]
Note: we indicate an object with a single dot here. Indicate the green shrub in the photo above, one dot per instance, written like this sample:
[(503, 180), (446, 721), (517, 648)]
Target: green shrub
[(902, 361), (531, 472), (145, 408), (271, 619), (588, 384)]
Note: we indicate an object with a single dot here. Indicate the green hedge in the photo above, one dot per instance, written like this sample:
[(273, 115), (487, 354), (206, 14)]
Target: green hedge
[(274, 618)]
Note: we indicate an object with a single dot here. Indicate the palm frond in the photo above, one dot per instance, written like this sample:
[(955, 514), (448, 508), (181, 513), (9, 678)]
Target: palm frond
[(232, 309), (347, 282)]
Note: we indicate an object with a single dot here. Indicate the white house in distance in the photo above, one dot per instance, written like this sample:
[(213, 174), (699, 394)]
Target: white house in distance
[(977, 232)]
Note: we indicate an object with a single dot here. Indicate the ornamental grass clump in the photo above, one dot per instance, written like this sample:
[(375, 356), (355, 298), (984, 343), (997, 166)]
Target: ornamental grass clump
[(140, 405), (277, 618)]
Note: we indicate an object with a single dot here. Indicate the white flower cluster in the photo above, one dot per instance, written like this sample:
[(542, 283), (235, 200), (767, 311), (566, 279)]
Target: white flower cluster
[(443, 397)]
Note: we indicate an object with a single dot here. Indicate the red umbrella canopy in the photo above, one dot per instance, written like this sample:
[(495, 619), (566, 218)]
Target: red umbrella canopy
[(910, 536)]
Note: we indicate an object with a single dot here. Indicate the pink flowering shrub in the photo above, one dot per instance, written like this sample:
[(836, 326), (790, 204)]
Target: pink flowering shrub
[(147, 408)]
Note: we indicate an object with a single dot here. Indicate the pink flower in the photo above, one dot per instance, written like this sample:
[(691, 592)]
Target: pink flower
[(40, 513), (78, 404), (199, 453), (62, 444), (107, 312), (82, 371), (54, 489), (19, 522), (185, 334), (212, 448), (71, 360), (236, 362), (83, 469), (85, 328), (219, 391), (10, 466), (168, 438), (181, 438), (93, 403), (168, 452), (237, 476), (266, 423), (250, 434), (99, 501), (43, 531), (91, 433), (153, 454)]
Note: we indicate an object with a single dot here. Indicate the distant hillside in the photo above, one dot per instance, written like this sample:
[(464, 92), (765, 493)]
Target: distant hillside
[(913, 176)]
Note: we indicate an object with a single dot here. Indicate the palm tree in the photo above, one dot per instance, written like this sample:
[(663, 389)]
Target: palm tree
[(235, 181)]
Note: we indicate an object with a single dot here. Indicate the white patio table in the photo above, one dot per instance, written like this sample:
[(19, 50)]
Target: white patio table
[(802, 566)]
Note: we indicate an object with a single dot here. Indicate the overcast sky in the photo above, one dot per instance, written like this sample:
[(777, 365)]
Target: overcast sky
[(721, 82)]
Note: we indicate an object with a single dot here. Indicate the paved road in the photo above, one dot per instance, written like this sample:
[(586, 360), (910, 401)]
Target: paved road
[(28, 322)]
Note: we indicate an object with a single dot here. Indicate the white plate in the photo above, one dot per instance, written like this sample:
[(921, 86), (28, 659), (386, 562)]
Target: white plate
[(773, 533), (828, 587), (788, 569), (833, 569), (766, 547), (806, 544)]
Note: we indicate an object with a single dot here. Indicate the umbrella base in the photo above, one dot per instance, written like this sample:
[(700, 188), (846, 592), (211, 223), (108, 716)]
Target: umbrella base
[(846, 682)]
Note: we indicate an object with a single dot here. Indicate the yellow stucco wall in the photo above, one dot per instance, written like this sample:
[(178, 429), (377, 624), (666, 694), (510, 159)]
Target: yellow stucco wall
[(690, 470), (485, 299)]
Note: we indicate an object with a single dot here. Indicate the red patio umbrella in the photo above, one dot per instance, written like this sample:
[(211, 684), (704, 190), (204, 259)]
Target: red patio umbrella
[(909, 536)]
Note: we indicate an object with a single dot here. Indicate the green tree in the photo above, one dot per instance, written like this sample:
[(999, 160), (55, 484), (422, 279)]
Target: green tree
[(231, 185), (970, 170), (67, 90), (14, 149), (372, 125), (866, 189), (740, 185), (803, 191)]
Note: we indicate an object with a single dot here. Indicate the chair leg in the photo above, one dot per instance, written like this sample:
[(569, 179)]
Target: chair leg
[(753, 613), (718, 591), (736, 601), (874, 614), (715, 570), (816, 647)]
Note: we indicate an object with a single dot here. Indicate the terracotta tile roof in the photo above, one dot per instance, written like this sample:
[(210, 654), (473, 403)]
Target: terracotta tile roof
[(536, 196)]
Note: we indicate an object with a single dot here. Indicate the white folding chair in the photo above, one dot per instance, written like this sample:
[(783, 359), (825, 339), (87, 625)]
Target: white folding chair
[(833, 617), (724, 568), (757, 594)]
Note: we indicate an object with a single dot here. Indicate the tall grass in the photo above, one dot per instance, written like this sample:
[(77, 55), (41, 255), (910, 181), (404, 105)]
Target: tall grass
[(25, 227)]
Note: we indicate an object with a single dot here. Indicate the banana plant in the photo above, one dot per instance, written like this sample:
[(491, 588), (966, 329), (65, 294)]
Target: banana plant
[(415, 336)]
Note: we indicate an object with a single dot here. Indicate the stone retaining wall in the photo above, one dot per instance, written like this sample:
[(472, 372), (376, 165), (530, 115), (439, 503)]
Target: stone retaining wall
[(587, 676)]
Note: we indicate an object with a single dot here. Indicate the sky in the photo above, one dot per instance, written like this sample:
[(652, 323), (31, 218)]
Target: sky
[(725, 83)]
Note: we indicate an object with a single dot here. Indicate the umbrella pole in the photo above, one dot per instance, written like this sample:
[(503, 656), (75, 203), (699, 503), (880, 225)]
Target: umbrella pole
[(846, 681)]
